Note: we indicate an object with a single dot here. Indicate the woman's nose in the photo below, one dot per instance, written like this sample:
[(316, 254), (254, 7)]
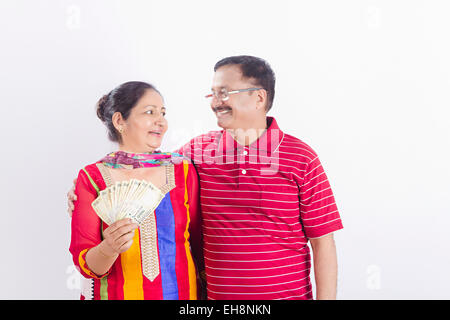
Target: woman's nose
[(161, 121)]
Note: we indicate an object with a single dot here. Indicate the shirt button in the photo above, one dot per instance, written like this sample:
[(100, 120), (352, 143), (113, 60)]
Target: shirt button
[(245, 152), (244, 171)]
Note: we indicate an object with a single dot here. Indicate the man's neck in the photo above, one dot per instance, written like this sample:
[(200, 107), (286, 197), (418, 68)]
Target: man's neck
[(246, 137)]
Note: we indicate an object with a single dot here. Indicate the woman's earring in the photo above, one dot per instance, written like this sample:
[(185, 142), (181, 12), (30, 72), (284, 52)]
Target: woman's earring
[(121, 130)]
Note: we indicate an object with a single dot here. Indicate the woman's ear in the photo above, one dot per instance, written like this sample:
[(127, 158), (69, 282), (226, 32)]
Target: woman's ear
[(118, 121)]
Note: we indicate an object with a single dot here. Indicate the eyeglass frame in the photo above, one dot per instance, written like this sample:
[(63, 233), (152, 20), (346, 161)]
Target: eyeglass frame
[(211, 95)]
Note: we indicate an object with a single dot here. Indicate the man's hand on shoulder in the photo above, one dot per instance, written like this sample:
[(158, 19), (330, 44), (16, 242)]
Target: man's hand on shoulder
[(71, 198)]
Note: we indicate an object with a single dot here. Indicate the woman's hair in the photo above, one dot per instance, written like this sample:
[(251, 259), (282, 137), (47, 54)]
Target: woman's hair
[(122, 99)]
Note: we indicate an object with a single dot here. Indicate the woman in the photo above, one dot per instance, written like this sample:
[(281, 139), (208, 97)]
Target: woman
[(127, 261)]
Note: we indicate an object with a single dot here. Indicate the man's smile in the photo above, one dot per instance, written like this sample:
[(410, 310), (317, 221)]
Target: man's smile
[(221, 110)]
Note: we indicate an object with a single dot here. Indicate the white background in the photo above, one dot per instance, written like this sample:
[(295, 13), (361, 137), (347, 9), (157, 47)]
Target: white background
[(364, 83)]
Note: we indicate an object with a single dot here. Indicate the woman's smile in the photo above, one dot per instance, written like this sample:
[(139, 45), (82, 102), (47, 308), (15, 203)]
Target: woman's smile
[(156, 133)]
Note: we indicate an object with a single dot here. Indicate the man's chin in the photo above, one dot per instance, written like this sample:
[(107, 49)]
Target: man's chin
[(224, 124), (224, 121)]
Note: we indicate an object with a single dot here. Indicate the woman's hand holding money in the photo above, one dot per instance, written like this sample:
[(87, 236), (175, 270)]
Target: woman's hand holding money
[(118, 238)]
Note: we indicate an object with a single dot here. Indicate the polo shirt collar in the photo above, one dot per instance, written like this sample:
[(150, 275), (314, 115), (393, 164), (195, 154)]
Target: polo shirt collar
[(268, 142)]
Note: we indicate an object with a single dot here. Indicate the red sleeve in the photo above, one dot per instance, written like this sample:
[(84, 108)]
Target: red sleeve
[(186, 150), (86, 225), (194, 149), (318, 211), (181, 150), (195, 225)]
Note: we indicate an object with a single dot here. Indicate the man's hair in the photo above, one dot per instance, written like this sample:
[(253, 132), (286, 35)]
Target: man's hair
[(256, 69)]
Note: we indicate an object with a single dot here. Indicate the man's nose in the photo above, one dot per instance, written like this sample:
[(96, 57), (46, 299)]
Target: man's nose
[(216, 102)]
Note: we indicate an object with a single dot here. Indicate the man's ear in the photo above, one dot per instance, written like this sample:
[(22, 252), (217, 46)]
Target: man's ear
[(261, 98)]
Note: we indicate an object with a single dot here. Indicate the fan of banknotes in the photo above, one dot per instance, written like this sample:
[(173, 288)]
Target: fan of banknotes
[(134, 199)]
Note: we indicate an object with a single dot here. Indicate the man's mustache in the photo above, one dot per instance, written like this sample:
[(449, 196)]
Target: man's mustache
[(220, 108)]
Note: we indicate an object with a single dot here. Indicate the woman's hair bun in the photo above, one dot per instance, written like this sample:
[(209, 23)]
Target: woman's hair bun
[(101, 105)]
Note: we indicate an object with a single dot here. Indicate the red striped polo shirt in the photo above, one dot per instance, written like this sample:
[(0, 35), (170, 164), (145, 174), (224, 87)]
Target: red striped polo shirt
[(260, 205)]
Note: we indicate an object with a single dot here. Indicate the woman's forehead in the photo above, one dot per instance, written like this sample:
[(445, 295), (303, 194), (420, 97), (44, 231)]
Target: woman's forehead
[(151, 98)]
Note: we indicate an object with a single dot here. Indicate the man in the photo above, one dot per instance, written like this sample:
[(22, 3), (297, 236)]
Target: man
[(264, 195)]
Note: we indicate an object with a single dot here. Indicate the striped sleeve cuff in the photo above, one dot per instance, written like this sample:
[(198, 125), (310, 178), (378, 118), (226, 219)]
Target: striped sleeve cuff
[(85, 269), (323, 230)]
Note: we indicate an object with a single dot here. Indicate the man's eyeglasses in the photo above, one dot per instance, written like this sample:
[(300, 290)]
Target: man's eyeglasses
[(224, 95)]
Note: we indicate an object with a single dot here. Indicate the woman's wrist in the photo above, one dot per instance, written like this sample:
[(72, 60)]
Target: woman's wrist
[(105, 250)]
